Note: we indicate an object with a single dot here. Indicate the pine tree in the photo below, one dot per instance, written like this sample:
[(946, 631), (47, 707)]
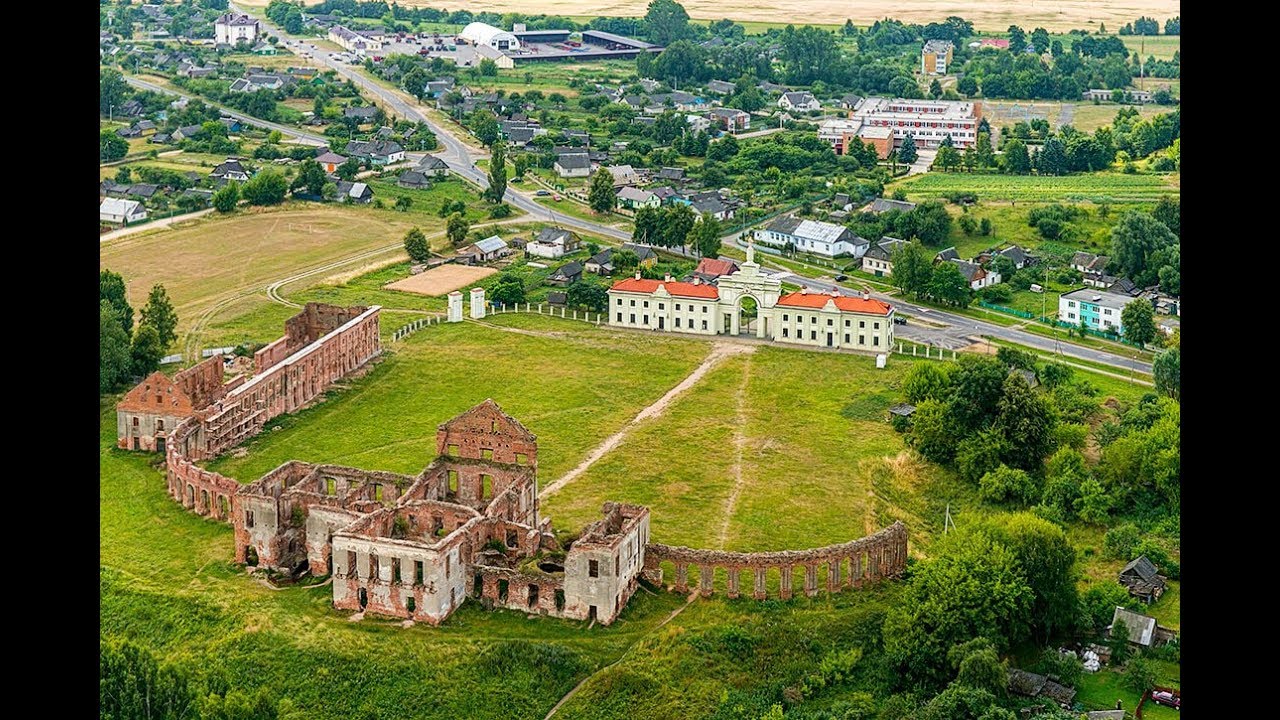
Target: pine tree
[(497, 173), (159, 314), (907, 153)]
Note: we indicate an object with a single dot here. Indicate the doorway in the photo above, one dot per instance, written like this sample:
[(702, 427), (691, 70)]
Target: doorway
[(829, 340), (662, 323), (364, 598), (748, 313)]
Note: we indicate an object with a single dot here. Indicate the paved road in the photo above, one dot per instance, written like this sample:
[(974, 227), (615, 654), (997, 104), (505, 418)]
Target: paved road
[(286, 130), (163, 222)]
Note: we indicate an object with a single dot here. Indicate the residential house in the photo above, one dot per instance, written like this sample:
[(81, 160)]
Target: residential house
[(1143, 579), (354, 192), (883, 205), (413, 180), (602, 262), (552, 243), (650, 85), (129, 132), (946, 255), (432, 166), (935, 57), (842, 201), (490, 248), (1124, 286), (772, 88), (1032, 685), (850, 101), (710, 270), (365, 114), (119, 210), (712, 205), (186, 132), (160, 139), (1097, 309), (330, 160), (437, 88), (1019, 256), (636, 198), (878, 260), (204, 194), (575, 164), (720, 87), (668, 196), (624, 175), (670, 174), (264, 48), (233, 28), (1142, 630), (566, 274), (812, 236), (376, 152), (131, 108), (799, 101), (142, 191), (978, 276), (697, 123), (231, 169), (730, 120), (1088, 262), (231, 124)]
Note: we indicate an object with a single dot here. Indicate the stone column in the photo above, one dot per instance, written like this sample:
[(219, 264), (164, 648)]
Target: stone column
[(811, 580), (735, 321), (833, 575), (855, 571), (455, 306), (873, 563), (477, 303), (735, 574), (682, 577), (706, 578), (760, 590), (785, 585)]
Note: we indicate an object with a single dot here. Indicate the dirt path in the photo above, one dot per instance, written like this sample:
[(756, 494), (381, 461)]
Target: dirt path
[(719, 351), (692, 596), (153, 225), (739, 444)]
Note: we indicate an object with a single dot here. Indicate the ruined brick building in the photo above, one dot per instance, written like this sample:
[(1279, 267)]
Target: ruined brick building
[(467, 526)]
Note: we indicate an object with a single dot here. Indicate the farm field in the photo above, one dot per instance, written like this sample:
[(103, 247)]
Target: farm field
[(1083, 116), (441, 280), (1009, 225), (989, 16), (1098, 187)]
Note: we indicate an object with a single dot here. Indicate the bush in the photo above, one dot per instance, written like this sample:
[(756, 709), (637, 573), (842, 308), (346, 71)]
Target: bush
[(1098, 605), (1066, 669), (1121, 541), (967, 224), (1005, 484), (997, 294), (501, 210), (1072, 435)]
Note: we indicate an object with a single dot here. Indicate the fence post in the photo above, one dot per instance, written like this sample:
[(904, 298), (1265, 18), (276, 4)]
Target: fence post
[(913, 350), (953, 354)]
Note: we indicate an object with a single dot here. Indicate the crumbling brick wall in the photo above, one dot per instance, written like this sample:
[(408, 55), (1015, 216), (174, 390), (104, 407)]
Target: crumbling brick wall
[(535, 593), (315, 321), (486, 433), (851, 564), (603, 565)]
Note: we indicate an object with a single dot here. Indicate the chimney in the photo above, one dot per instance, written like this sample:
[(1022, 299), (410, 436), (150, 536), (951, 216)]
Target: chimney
[(835, 292), (637, 273)]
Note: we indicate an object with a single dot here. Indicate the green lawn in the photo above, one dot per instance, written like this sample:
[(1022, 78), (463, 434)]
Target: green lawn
[(1096, 187), (1091, 233)]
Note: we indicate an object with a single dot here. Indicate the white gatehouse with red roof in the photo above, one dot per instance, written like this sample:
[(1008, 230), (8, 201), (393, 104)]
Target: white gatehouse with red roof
[(748, 302)]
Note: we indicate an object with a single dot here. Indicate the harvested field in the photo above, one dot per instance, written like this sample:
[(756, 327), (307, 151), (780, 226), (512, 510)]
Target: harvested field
[(441, 280)]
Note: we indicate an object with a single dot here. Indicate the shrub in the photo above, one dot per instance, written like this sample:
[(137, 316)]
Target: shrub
[(997, 294), (1072, 435), (501, 210), (1005, 484), (1120, 542)]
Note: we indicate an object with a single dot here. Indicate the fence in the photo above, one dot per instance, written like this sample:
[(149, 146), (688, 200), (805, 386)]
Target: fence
[(1005, 309), (1049, 320), (502, 309), (736, 227), (914, 351), (210, 352)]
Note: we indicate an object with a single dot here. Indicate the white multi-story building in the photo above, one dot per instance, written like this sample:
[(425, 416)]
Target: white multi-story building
[(812, 236), (827, 320), (928, 121), (935, 57), (232, 28), (1098, 309)]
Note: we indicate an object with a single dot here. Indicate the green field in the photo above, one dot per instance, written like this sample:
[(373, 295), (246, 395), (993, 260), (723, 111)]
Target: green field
[(1097, 187)]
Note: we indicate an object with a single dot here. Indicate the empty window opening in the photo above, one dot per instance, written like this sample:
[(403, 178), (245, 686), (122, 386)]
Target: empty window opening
[(417, 572), (248, 518), (329, 487), (593, 568), (522, 458), (453, 481), (395, 571), (477, 587), (377, 492), (533, 596), (352, 568), (512, 539), (135, 421), (591, 613), (486, 486), (373, 567), (447, 558), (452, 450), (486, 453), (502, 590), (559, 600), (159, 425), (411, 605), (364, 598), (617, 565), (493, 426), (250, 556)]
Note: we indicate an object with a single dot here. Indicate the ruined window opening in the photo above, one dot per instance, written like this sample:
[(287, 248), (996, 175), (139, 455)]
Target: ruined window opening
[(136, 444), (364, 598), (533, 596), (329, 486), (135, 421), (486, 486), (512, 538), (477, 587), (250, 555), (373, 567), (452, 450), (417, 572), (248, 518), (493, 426), (453, 597), (591, 613), (502, 590), (453, 481), (377, 492), (617, 565), (159, 425), (352, 568), (593, 568), (486, 453), (411, 605), (522, 458), (447, 564), (559, 600), (395, 571)]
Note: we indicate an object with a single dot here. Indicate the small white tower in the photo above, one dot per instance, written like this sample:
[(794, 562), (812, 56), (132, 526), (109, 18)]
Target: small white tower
[(455, 306), (477, 303)]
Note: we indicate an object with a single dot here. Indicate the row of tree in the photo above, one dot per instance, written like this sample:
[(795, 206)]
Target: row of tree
[(123, 351), (678, 226)]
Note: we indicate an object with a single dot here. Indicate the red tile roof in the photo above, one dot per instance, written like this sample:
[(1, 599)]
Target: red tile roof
[(712, 266), (680, 289), (843, 302)]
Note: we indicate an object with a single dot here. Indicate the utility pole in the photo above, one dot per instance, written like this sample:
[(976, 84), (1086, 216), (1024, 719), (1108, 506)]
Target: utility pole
[(947, 522)]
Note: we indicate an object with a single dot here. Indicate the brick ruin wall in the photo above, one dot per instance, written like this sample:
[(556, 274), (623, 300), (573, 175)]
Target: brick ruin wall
[(851, 564), (314, 322)]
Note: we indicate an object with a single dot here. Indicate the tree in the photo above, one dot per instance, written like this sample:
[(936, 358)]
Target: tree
[(113, 348), (485, 127), (667, 22), (907, 152), (1052, 158), (1016, 160), (705, 236), (311, 178), (677, 223), (1064, 472), (1006, 484), (981, 453), (111, 146), (488, 68), (457, 228), (226, 197), (113, 91), (935, 89), (1134, 240), (949, 285), (415, 243), (159, 314), (1017, 40), (648, 226), (589, 295), (926, 381), (131, 684), (111, 288), (266, 188), (1027, 420), (1167, 370), (146, 351), (967, 86), (1140, 675), (971, 587), (403, 203), (1139, 321), (507, 290), (979, 387), (600, 193), (1048, 563), (1118, 641), (1169, 212), (948, 158), (986, 156), (348, 169), (1040, 39), (982, 669), (931, 222), (497, 173), (624, 261)]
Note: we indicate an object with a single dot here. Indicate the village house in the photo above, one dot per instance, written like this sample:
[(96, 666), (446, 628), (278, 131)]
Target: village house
[(812, 236), (799, 101), (1143, 579), (635, 198), (230, 169), (878, 260), (354, 192), (234, 28), (977, 276), (119, 210), (566, 274), (376, 152), (413, 180), (573, 164), (730, 120), (330, 160), (1142, 630), (552, 243)]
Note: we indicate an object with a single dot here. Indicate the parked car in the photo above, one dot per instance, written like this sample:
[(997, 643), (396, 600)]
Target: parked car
[(543, 193), (841, 278), (899, 320), (556, 197), (1164, 697)]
